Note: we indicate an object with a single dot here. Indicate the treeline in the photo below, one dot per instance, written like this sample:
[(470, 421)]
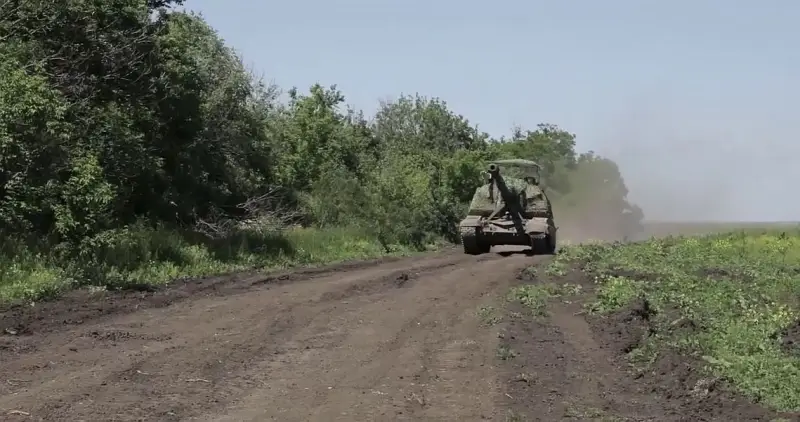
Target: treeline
[(131, 135)]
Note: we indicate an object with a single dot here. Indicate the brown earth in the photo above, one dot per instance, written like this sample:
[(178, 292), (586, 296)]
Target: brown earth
[(384, 340), (568, 365)]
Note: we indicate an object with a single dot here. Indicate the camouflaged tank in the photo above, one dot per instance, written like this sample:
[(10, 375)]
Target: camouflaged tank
[(509, 211)]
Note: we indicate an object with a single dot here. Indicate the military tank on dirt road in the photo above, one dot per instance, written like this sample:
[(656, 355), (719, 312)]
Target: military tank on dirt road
[(509, 211)]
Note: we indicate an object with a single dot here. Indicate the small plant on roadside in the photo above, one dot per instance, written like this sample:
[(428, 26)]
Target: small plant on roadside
[(489, 315), (534, 296), (570, 289), (615, 292), (505, 352), (529, 272), (645, 354), (556, 268)]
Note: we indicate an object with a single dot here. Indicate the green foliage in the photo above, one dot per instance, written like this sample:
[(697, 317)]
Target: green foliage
[(536, 296), (550, 146), (135, 256), (738, 291), (135, 145)]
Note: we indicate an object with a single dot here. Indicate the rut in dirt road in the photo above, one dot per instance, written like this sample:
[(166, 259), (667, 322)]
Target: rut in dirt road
[(566, 364), (391, 341), (561, 372)]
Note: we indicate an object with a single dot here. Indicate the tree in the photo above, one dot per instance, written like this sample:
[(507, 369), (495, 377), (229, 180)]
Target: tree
[(128, 112)]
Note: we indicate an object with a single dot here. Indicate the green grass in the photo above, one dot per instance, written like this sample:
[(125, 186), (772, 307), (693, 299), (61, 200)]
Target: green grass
[(140, 256), (489, 315), (505, 352), (667, 228), (738, 289), (535, 297)]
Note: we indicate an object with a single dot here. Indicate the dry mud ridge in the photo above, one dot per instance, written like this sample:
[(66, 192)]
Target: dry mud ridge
[(386, 340)]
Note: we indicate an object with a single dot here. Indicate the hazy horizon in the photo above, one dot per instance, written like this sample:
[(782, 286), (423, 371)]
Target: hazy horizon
[(694, 100)]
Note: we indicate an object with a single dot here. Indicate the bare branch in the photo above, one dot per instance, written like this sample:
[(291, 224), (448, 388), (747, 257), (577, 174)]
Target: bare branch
[(267, 211)]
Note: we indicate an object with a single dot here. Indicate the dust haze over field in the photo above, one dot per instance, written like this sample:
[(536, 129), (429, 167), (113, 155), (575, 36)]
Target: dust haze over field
[(683, 163), (693, 116)]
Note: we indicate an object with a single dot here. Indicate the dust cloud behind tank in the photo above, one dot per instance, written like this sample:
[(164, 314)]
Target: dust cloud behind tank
[(511, 208)]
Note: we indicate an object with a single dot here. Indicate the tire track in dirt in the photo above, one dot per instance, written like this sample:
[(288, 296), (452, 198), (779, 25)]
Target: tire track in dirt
[(569, 366), (564, 371), (599, 388), (560, 372), (320, 346), (415, 354)]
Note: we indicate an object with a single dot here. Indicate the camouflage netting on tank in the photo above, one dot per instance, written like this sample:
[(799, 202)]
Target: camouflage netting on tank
[(536, 202)]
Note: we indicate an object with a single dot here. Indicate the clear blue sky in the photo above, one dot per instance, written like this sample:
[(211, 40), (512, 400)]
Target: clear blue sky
[(698, 101)]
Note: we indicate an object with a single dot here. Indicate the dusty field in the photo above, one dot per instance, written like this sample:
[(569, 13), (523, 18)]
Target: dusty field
[(399, 339)]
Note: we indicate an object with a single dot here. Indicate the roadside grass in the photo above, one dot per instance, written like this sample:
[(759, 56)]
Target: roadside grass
[(739, 291), (489, 315), (536, 296), (137, 257)]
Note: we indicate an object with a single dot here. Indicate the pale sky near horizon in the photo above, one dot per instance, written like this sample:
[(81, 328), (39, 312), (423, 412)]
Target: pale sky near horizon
[(697, 101)]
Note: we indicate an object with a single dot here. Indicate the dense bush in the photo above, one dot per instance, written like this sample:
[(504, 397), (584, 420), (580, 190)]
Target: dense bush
[(133, 138)]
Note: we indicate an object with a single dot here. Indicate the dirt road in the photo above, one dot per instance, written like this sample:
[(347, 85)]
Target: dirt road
[(398, 340), (391, 340)]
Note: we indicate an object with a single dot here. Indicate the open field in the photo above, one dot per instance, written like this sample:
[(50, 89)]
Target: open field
[(665, 228), (675, 329), (705, 325)]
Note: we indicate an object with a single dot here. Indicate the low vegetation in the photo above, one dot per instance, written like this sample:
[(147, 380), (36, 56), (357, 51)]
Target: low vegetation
[(729, 301), (535, 297), (135, 147)]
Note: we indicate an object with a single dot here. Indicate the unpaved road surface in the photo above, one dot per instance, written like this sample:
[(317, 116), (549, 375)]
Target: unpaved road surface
[(391, 340), (379, 341)]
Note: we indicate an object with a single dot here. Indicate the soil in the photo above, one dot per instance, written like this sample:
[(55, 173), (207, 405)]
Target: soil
[(790, 339), (574, 366), (382, 340)]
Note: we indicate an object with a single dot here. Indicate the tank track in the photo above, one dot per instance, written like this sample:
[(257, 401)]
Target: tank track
[(471, 243), (542, 244)]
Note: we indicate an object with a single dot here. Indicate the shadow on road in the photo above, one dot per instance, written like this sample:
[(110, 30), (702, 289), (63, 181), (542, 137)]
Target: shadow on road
[(509, 250), (528, 252)]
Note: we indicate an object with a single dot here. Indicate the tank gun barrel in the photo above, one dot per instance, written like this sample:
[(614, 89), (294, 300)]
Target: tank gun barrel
[(500, 183), (511, 200)]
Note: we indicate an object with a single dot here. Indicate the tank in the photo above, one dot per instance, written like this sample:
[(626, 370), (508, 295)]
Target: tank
[(509, 210)]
